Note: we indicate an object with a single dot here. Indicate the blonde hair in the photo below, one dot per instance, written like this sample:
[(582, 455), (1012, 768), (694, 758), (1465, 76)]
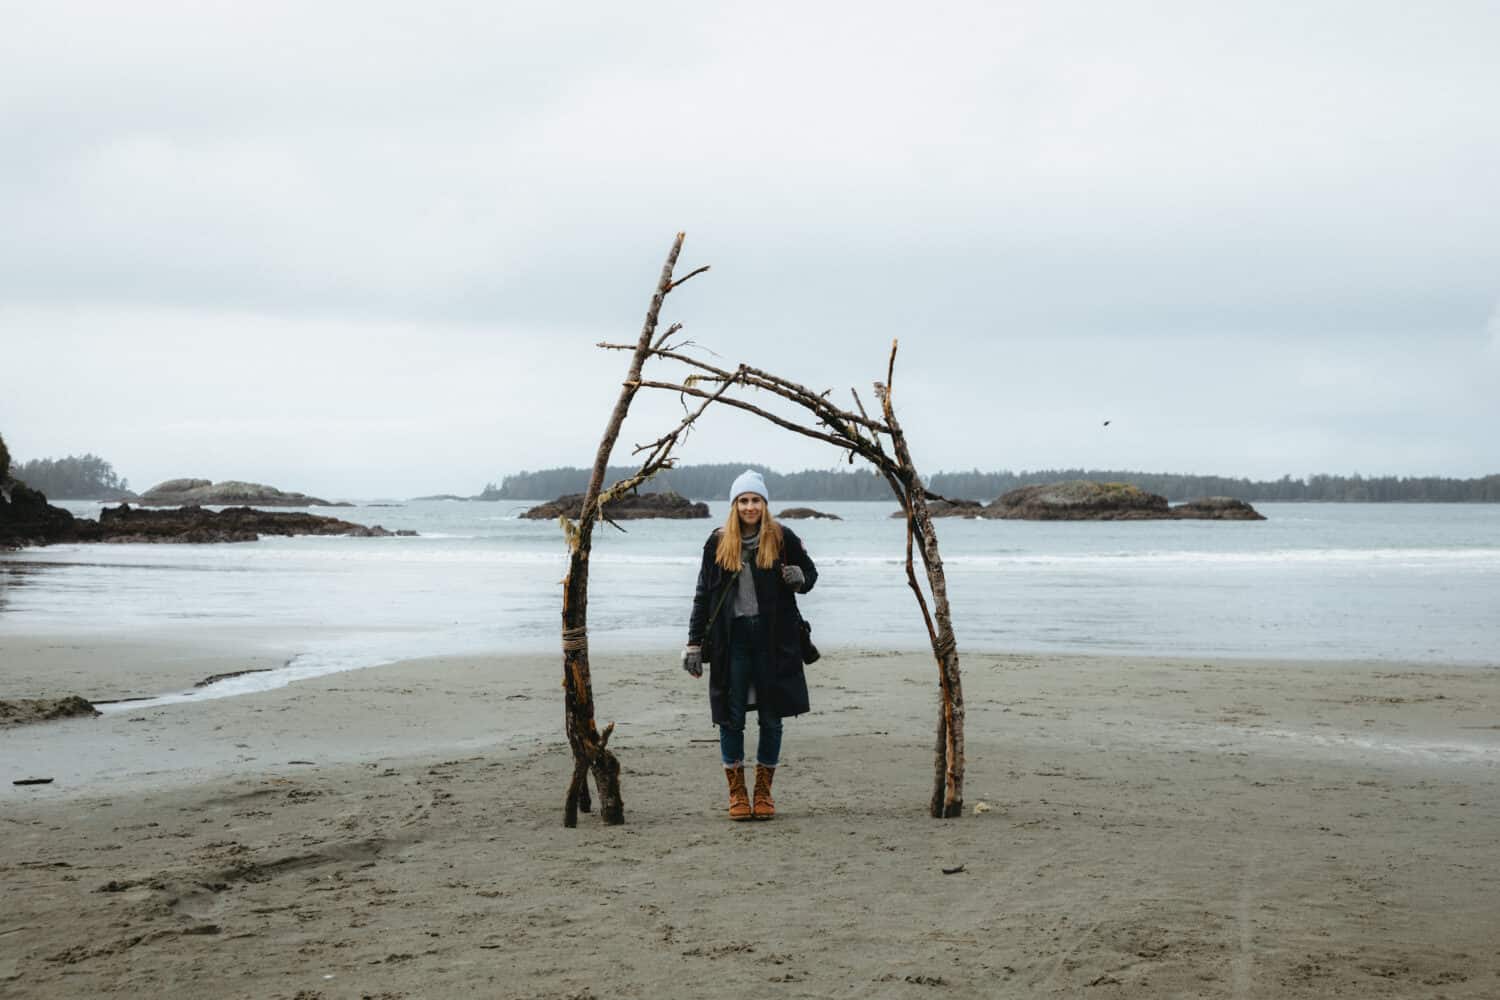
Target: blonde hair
[(728, 554)]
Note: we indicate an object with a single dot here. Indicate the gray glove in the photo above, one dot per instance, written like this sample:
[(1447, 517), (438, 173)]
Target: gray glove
[(793, 576), (692, 660)]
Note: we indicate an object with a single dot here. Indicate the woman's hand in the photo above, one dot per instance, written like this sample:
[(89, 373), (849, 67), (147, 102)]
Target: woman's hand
[(793, 577), (692, 660)]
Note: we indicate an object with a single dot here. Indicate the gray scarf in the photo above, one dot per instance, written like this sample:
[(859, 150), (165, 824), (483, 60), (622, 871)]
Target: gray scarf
[(745, 603)]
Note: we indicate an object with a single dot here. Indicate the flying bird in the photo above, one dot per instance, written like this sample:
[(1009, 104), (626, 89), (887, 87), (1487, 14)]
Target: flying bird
[(1106, 423)]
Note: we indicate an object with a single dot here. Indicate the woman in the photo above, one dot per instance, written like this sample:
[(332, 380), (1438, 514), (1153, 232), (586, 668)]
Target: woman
[(746, 627)]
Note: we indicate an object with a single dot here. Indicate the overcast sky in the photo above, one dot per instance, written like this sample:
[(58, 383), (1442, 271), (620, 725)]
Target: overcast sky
[(364, 249)]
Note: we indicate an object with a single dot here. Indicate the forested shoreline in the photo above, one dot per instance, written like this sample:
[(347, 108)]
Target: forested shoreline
[(711, 482), (89, 477)]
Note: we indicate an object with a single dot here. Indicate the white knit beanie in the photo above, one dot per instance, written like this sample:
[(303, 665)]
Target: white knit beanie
[(749, 481)]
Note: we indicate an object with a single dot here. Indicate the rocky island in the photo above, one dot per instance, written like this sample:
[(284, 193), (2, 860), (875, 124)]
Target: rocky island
[(26, 518), (232, 524), (951, 508), (203, 493), (632, 507), (805, 513), (33, 521), (1084, 500)]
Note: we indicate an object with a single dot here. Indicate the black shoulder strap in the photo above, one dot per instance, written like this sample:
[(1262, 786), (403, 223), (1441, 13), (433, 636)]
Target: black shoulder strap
[(720, 603)]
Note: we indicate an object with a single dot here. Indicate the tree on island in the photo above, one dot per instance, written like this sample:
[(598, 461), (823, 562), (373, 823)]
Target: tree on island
[(76, 477), (4, 460)]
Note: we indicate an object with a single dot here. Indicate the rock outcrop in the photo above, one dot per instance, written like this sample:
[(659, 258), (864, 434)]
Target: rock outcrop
[(1085, 500), (26, 518), (1078, 500), (195, 525), (1218, 509), (632, 507), (201, 493), (804, 513), (951, 508)]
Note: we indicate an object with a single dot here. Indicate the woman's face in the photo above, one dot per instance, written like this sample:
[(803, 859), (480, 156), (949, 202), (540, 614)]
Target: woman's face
[(750, 507)]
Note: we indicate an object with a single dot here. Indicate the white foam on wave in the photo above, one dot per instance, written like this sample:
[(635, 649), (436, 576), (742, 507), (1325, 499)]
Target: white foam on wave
[(331, 657), (300, 668), (1479, 557)]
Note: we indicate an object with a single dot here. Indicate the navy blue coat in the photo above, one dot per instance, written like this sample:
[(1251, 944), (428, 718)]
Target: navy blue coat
[(781, 685)]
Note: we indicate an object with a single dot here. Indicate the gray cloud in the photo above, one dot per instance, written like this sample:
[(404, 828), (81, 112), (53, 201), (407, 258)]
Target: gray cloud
[(1263, 240)]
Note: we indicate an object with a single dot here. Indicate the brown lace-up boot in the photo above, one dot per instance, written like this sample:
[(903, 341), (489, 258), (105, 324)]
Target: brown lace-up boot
[(739, 801), (764, 808)]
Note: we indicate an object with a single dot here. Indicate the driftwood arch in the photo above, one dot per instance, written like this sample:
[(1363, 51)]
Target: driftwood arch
[(879, 441)]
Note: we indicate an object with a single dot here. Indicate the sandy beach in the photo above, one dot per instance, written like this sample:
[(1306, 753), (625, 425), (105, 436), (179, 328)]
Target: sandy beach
[(1154, 828)]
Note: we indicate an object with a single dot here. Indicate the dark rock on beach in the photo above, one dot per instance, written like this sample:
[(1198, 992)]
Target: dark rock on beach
[(631, 507), (202, 492), (1218, 509), (233, 524), (1085, 500), (26, 518), (24, 710), (804, 513)]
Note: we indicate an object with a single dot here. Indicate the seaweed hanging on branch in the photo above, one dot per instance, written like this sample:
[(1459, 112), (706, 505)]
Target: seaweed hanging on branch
[(857, 434), (590, 746)]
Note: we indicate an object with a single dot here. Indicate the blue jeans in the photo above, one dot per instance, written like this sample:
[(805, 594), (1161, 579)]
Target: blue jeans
[(748, 649)]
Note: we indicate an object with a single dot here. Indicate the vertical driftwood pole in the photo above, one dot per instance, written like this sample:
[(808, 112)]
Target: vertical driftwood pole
[(947, 793), (948, 785), (948, 777), (590, 750)]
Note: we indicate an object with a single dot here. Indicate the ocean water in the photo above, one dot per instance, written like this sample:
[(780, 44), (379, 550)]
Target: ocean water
[(1396, 582)]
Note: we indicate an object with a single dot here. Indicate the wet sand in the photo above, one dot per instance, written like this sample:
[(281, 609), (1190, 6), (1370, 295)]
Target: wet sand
[(1155, 828)]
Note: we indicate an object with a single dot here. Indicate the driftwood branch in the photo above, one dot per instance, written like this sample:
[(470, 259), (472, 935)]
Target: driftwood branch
[(661, 341), (740, 404), (659, 451), (589, 745), (686, 277), (949, 800), (756, 378)]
